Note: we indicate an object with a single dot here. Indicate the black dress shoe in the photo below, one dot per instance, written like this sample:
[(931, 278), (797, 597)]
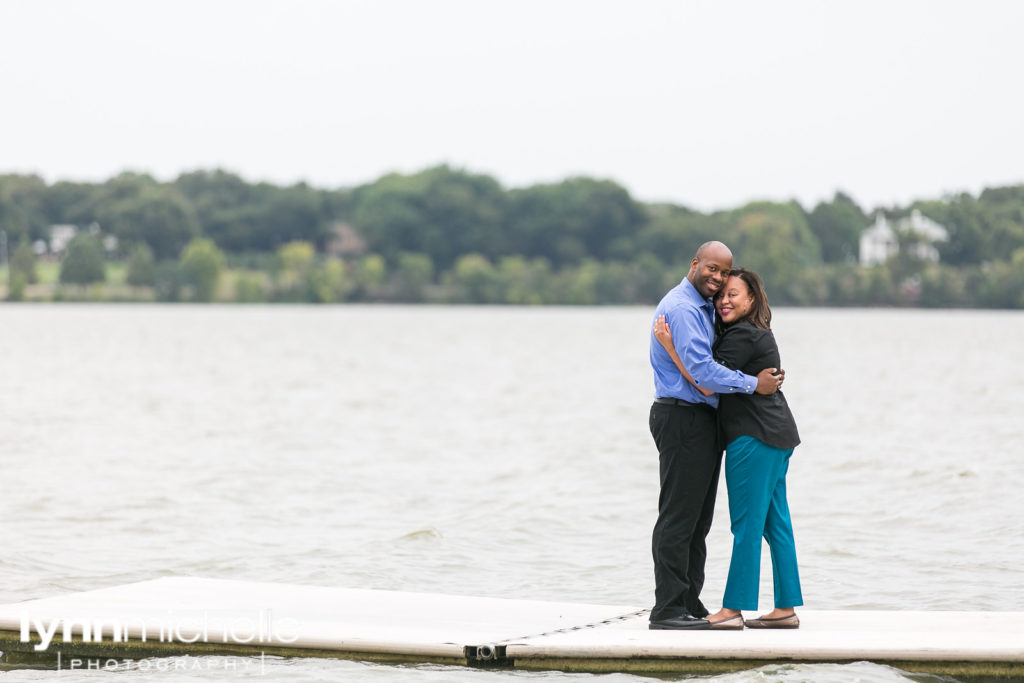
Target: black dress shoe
[(683, 621)]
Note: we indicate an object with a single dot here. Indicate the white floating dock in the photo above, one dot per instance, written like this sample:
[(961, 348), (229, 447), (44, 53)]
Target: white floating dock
[(173, 616)]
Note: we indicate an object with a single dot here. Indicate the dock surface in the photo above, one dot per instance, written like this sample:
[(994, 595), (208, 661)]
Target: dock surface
[(174, 616)]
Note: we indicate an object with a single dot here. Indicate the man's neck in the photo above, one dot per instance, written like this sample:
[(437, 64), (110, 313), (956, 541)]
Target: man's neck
[(689, 279)]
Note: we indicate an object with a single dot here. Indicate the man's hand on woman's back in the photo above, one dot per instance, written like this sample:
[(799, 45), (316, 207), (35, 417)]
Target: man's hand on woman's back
[(769, 380)]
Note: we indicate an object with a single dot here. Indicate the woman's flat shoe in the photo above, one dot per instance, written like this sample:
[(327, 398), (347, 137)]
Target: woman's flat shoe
[(731, 624), (792, 621)]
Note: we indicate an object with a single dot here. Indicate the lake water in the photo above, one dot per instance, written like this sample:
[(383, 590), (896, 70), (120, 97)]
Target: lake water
[(488, 451)]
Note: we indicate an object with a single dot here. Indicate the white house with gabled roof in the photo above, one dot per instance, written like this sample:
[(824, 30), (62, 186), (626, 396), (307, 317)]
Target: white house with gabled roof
[(882, 240)]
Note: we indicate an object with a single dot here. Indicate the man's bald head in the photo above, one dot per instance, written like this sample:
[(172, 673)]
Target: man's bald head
[(713, 249)]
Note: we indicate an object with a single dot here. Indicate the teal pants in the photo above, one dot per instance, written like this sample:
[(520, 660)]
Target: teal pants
[(755, 474)]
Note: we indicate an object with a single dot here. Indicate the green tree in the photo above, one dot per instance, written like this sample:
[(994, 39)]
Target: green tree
[(23, 261), (877, 287), (477, 279), (137, 210), (297, 257), (17, 288), (615, 284), (249, 288), (1001, 283), (441, 212), (240, 217), (943, 286), (653, 278), (23, 208), (572, 220), (964, 219), (140, 270), (201, 266), (225, 206), (672, 234), (83, 261), (369, 276), (582, 283), (1003, 208), (372, 270), (71, 203), (412, 275), (329, 282), (167, 281), (297, 262), (838, 225), (775, 240), (522, 281)]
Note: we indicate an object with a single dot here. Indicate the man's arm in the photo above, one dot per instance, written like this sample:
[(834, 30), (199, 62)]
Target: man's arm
[(695, 351), (663, 333)]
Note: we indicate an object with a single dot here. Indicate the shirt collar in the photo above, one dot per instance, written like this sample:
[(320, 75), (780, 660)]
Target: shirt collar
[(695, 296)]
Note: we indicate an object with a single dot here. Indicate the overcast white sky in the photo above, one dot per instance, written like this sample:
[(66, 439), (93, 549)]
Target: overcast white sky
[(707, 104)]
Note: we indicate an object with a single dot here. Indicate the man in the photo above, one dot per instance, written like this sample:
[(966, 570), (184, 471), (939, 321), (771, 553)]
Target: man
[(684, 427)]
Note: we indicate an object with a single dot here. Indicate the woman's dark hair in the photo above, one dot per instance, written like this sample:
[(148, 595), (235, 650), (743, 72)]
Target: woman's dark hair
[(760, 314)]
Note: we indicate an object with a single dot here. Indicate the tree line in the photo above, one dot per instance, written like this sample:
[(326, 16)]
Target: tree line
[(450, 235)]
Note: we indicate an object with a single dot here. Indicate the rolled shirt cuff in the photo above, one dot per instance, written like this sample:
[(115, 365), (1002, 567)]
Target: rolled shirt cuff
[(748, 387)]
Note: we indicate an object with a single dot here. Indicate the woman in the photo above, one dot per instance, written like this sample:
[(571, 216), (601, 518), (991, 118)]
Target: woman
[(760, 435)]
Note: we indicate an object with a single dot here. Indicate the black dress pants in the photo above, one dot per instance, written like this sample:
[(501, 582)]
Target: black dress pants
[(690, 461)]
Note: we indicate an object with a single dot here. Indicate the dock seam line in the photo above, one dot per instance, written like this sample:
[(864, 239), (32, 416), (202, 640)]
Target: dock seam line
[(580, 627)]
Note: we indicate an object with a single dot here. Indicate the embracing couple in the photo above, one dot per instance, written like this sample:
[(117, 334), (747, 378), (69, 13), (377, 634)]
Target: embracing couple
[(717, 376)]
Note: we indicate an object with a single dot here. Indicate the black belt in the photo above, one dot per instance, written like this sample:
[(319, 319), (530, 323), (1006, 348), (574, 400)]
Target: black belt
[(676, 402)]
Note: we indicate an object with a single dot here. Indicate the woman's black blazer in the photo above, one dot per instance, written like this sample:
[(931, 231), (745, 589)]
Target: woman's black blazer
[(751, 349)]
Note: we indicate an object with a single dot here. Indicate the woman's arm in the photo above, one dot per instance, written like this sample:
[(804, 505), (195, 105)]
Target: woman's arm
[(664, 335)]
